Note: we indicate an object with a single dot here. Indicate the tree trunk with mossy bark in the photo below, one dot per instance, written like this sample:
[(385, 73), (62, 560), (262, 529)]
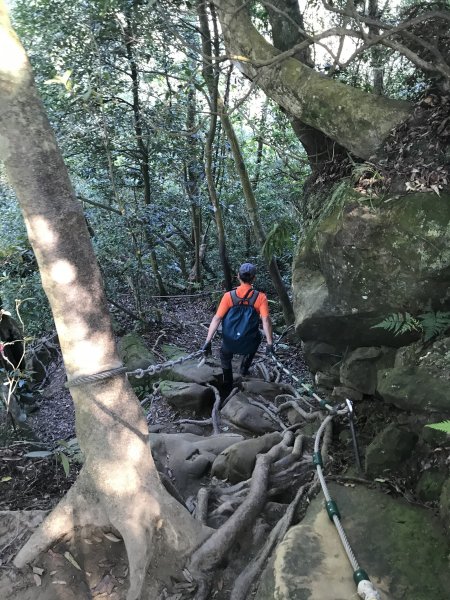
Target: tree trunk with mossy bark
[(118, 485), (357, 120), (287, 25)]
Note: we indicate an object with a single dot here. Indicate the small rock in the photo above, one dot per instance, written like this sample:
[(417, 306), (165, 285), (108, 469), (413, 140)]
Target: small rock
[(341, 394), (389, 449), (429, 486)]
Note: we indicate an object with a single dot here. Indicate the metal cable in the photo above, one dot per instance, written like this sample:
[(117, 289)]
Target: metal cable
[(348, 549), (138, 373)]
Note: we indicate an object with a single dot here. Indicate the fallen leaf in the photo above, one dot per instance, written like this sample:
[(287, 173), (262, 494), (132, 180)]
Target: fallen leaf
[(188, 576), (111, 537), (435, 189), (104, 586), (37, 579), (72, 561), (86, 541)]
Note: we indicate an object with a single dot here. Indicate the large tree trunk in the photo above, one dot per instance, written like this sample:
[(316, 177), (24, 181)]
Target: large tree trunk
[(287, 31), (355, 119), (118, 485)]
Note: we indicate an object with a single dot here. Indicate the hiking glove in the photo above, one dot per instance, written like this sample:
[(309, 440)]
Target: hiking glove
[(270, 351), (207, 348)]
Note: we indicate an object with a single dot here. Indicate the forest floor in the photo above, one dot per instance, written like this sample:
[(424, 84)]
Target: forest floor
[(38, 483)]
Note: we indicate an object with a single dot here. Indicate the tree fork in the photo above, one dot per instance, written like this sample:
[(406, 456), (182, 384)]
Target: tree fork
[(357, 120)]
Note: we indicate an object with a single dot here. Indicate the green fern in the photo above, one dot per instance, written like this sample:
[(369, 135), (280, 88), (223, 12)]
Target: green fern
[(278, 238), (399, 323), (434, 323), (443, 426)]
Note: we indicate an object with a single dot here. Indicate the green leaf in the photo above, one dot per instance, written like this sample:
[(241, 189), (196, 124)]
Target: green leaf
[(38, 454), (399, 323), (443, 426), (65, 463), (434, 323)]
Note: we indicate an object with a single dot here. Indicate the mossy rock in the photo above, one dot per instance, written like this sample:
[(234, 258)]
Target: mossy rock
[(135, 355), (429, 486), (366, 258), (413, 388), (389, 449), (172, 352), (402, 547)]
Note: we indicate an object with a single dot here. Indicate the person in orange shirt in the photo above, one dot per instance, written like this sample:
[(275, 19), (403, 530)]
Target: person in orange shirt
[(243, 295)]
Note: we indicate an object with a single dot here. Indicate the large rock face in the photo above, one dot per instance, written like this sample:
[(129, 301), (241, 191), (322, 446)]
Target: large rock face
[(419, 379), (364, 260), (402, 547)]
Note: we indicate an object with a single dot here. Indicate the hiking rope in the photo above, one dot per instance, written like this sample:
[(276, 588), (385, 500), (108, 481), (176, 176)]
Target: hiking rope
[(138, 373), (366, 590)]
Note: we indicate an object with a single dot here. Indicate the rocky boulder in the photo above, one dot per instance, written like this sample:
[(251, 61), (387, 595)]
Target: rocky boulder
[(389, 449), (359, 368), (191, 372), (185, 458), (444, 504), (269, 390), (187, 395), (420, 378), (392, 540), (364, 259), (412, 388), (241, 413), (236, 463)]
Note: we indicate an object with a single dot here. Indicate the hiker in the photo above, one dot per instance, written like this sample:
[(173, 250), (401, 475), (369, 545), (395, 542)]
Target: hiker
[(240, 311)]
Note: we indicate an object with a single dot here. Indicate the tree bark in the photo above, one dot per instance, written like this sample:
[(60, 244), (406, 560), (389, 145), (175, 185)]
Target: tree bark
[(143, 153), (211, 77), (355, 119), (192, 185), (288, 31), (118, 485)]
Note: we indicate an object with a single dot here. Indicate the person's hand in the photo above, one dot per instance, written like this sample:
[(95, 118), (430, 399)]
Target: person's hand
[(207, 348), (270, 351)]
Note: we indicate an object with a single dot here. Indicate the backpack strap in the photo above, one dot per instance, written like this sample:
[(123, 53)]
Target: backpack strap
[(246, 300), (253, 298)]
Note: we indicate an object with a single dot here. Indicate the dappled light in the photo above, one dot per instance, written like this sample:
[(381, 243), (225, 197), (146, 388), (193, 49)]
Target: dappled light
[(224, 300)]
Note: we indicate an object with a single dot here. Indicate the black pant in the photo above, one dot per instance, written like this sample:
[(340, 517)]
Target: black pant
[(227, 357)]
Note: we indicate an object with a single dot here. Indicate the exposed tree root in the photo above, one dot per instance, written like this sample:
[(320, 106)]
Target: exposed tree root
[(201, 510), (245, 580), (217, 546), (267, 410), (215, 417)]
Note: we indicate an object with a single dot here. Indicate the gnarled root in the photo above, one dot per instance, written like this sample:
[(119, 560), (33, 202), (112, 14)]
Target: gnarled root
[(216, 547)]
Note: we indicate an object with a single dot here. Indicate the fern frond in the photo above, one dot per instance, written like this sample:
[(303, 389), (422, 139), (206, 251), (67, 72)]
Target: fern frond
[(434, 323), (399, 323), (278, 238), (443, 426)]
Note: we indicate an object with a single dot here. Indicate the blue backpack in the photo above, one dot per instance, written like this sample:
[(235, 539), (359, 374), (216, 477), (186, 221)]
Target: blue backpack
[(240, 325)]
